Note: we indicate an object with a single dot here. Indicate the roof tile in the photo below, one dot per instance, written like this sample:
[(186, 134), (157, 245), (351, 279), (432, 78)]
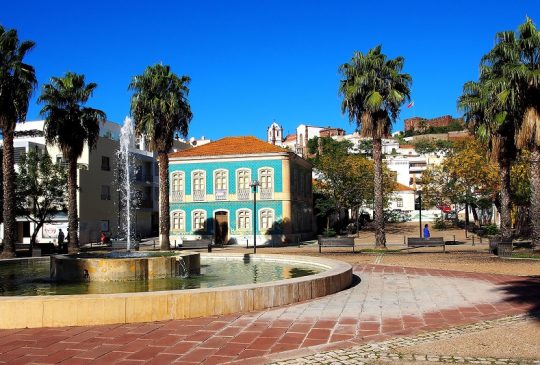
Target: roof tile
[(246, 145)]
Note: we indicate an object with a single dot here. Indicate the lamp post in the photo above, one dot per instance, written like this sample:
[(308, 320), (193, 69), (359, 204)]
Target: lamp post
[(254, 185), (420, 209)]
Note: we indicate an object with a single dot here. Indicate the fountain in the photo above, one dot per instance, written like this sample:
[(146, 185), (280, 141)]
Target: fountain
[(124, 265)]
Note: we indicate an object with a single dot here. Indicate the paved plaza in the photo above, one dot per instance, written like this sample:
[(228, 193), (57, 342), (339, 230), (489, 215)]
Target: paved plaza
[(387, 303)]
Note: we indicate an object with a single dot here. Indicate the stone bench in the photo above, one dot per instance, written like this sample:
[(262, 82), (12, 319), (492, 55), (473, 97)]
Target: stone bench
[(335, 242), (426, 242)]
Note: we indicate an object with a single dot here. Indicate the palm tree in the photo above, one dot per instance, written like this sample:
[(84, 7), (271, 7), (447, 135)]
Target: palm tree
[(493, 122), (519, 56), (161, 109), (70, 125), (373, 89), (17, 83)]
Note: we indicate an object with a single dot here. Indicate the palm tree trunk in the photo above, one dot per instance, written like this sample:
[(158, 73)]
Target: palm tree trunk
[(535, 195), (378, 213), (10, 226), (164, 223), (73, 216), (504, 176)]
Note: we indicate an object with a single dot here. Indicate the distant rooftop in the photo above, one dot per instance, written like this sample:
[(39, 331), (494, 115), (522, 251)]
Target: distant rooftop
[(247, 145)]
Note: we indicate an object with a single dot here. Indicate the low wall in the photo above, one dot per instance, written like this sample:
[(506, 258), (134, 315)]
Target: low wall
[(96, 309)]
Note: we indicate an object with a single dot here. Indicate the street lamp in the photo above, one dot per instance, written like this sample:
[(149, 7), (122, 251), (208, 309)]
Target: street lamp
[(254, 185), (419, 191)]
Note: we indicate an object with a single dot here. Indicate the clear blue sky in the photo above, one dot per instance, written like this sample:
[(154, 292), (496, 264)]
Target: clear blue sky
[(255, 61)]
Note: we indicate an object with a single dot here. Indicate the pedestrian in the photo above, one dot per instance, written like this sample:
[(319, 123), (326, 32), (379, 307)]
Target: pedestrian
[(61, 240), (426, 231)]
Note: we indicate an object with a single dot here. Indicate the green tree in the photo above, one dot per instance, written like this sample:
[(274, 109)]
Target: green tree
[(437, 146), (17, 83), (161, 109), (40, 189), (518, 57), (373, 89), (70, 125)]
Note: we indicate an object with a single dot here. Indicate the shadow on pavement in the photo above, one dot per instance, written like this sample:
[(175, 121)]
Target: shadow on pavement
[(524, 291)]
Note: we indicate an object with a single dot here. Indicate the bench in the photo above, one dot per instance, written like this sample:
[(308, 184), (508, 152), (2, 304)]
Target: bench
[(501, 248), (335, 242), (195, 244), (426, 242)]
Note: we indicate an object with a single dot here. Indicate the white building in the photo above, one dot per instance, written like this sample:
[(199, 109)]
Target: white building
[(98, 197)]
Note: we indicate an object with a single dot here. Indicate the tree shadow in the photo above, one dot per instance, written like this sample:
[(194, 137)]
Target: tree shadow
[(524, 291)]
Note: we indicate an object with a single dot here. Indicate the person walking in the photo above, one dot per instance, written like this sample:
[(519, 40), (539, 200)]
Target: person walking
[(426, 231), (61, 241)]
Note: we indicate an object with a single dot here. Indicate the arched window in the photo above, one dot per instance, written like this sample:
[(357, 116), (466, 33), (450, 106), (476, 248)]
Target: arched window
[(243, 220), (267, 183), (243, 177), (199, 185), (177, 186), (266, 218), (220, 184), (199, 220), (178, 220)]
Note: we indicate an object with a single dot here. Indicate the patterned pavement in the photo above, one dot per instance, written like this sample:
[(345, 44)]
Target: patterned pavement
[(388, 302)]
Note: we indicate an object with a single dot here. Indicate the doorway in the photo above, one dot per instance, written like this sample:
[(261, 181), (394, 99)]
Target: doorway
[(221, 228)]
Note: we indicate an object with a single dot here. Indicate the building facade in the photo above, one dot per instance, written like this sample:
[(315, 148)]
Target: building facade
[(211, 196)]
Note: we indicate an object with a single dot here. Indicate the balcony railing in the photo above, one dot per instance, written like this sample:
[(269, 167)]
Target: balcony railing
[(220, 194), (198, 195), (243, 194), (177, 196), (266, 193)]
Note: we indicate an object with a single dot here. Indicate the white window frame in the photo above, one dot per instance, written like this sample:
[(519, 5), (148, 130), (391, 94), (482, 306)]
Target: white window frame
[(260, 216), (226, 179), (249, 217), (205, 218), (181, 217), (265, 191), (238, 171), (193, 174)]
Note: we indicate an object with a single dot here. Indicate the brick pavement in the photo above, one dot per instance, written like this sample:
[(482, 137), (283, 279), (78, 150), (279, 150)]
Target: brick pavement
[(387, 302)]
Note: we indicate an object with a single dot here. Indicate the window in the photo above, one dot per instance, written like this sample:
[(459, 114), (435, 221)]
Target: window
[(399, 202), (199, 220), (242, 184), (267, 187), (243, 219), (199, 187), (177, 186), (266, 219), (178, 221), (105, 163), (105, 192), (220, 184)]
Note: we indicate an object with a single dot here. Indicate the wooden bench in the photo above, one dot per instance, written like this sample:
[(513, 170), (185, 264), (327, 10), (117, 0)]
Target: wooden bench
[(426, 242), (195, 244), (335, 242)]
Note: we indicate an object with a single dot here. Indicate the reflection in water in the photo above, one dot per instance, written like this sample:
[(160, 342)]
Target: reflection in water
[(32, 278)]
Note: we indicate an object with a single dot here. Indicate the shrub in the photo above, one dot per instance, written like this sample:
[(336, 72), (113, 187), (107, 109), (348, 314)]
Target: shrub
[(329, 232), (491, 230), (439, 223)]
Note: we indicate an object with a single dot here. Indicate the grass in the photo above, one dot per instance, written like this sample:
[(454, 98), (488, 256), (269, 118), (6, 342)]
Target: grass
[(525, 255), (379, 250)]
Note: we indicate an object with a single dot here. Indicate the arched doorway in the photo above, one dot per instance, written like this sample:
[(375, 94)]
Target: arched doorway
[(221, 227)]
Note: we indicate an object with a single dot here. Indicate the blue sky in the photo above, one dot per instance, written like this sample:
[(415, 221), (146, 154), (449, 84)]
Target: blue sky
[(255, 61)]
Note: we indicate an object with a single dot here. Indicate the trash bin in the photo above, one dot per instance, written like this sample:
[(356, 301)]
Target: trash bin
[(504, 249)]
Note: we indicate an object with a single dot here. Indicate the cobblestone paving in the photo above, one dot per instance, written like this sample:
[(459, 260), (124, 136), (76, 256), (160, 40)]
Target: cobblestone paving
[(385, 350), (388, 302)]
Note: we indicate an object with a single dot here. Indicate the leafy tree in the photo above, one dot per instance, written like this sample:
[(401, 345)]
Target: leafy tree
[(161, 109), (518, 55), (373, 89), (17, 83), (436, 146), (328, 146), (70, 125), (40, 191)]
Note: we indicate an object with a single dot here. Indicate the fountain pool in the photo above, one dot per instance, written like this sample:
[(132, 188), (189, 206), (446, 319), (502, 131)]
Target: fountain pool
[(231, 283)]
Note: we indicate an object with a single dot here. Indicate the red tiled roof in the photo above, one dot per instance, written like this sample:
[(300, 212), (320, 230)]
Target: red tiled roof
[(401, 187), (406, 146), (290, 137), (230, 146)]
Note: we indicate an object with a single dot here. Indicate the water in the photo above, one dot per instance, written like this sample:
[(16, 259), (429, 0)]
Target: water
[(33, 278), (126, 141)]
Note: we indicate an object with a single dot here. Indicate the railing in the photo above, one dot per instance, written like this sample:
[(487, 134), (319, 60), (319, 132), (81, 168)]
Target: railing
[(177, 196), (266, 193), (220, 194), (198, 195), (243, 194)]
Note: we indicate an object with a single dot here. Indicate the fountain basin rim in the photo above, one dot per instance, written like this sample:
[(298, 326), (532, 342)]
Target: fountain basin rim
[(118, 255)]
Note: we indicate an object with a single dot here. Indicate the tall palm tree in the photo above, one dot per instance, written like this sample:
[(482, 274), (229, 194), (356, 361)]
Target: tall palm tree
[(373, 89), (493, 122), (519, 55), (161, 109), (70, 125), (17, 83)]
